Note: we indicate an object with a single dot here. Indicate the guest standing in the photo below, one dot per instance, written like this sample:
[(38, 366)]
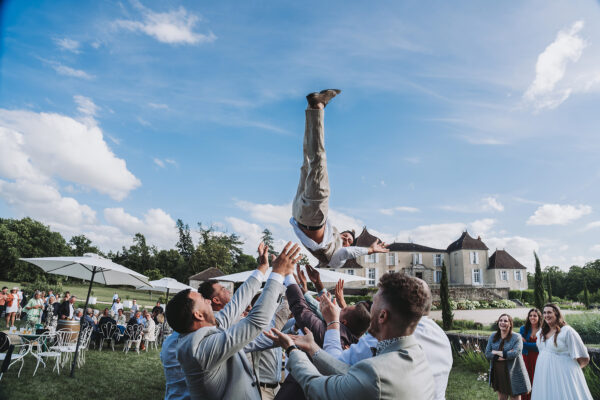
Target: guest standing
[(12, 306), (530, 351), (508, 375), (558, 374)]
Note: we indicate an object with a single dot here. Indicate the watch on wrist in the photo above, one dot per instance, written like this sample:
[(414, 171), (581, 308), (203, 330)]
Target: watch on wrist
[(290, 349)]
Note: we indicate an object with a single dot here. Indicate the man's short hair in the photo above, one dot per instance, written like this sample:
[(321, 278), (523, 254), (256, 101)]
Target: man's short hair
[(206, 289), (179, 312), (358, 320), (4, 288), (405, 295)]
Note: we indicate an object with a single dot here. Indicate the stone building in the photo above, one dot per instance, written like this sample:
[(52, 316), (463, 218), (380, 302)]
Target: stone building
[(466, 258)]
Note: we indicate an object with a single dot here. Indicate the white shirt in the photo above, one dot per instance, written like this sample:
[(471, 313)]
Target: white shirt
[(429, 335), (116, 307), (176, 388), (71, 310), (339, 257), (115, 297)]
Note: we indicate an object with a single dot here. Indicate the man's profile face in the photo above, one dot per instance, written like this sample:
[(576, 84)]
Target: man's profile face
[(202, 306), (221, 293), (375, 327), (72, 299), (346, 239)]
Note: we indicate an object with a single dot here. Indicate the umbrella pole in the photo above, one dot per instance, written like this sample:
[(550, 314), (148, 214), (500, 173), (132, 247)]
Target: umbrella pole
[(81, 324), (167, 300)]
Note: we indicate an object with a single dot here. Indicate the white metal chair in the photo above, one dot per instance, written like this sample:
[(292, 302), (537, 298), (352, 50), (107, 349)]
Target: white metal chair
[(66, 341), (41, 350), (134, 336), (21, 351), (108, 332), (86, 337), (148, 343)]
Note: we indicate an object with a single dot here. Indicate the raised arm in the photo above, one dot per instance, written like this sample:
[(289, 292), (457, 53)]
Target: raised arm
[(305, 318)]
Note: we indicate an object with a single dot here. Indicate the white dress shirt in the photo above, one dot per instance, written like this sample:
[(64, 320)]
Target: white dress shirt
[(115, 307), (429, 335), (339, 257)]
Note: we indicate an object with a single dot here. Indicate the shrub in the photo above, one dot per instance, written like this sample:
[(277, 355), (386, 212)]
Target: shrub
[(592, 377), (471, 357), (463, 324), (525, 296), (356, 299), (587, 325)]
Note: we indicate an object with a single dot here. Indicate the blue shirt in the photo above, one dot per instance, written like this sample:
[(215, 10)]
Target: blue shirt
[(176, 388)]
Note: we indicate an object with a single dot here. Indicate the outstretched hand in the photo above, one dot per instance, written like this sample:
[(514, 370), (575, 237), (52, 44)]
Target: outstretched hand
[(286, 261), (330, 310), (263, 257), (339, 293), (378, 247), (279, 338), (307, 342), (301, 279), (315, 277)]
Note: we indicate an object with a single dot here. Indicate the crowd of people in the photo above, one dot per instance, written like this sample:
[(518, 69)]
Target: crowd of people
[(543, 361)]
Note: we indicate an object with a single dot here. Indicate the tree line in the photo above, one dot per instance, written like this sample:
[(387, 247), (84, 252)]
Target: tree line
[(20, 238)]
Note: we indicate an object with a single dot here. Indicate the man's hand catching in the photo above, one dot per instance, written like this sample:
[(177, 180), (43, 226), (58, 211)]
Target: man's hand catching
[(339, 293), (279, 338), (301, 279), (263, 257), (330, 311), (315, 278), (307, 342), (285, 262), (378, 247)]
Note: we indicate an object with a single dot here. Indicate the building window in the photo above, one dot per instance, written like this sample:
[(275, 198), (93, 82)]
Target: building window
[(417, 258), (371, 258), (391, 259), (371, 276), (476, 277), (350, 272), (474, 257), (504, 275), (437, 260), (518, 276), (438, 276)]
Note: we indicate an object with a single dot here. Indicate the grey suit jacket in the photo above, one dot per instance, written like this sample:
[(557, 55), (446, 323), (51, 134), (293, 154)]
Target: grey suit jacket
[(212, 359), (399, 372)]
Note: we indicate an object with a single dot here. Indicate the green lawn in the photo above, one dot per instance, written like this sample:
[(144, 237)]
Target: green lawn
[(105, 293), (463, 384)]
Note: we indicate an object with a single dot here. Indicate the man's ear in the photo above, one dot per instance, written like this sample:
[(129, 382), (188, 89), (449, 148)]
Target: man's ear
[(384, 316), (198, 315)]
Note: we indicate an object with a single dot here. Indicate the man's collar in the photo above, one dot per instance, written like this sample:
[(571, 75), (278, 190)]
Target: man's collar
[(394, 344)]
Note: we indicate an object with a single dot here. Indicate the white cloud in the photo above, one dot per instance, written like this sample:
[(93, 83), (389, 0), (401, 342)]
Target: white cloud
[(521, 248), (434, 235), (268, 213), (68, 71), (250, 233), (158, 226), (68, 44), (170, 161), (595, 248), (158, 106), (557, 214), (551, 67), (173, 27), (492, 204), (482, 227), (159, 162), (46, 145), (86, 106), (592, 225), (412, 160), (392, 211)]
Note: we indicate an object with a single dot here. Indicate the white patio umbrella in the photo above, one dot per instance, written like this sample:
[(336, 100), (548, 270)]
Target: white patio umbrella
[(165, 285), (93, 268), (327, 276)]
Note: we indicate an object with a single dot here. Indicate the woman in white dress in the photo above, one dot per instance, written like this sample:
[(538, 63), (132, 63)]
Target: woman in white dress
[(558, 373)]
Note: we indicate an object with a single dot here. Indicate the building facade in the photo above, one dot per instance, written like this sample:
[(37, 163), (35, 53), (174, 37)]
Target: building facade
[(466, 258)]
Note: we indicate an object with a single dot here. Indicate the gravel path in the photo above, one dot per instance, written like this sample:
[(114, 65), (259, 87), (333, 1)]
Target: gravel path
[(488, 316)]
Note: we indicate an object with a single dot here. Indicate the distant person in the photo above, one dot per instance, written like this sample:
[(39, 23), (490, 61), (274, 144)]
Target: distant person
[(558, 374), (218, 294), (51, 312), (310, 207), (156, 310), (116, 306), (508, 375), (134, 306), (34, 308), (120, 318), (78, 314), (530, 351), (67, 310), (115, 297), (12, 307), (3, 296)]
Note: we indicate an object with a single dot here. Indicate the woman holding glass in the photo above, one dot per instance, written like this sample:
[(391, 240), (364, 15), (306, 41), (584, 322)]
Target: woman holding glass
[(558, 373), (508, 375), (530, 350)]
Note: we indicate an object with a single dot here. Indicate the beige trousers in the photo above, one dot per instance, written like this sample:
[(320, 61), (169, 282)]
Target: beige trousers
[(311, 203), (268, 393)]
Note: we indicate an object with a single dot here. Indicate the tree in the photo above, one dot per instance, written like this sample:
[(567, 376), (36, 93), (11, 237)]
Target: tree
[(80, 245), (267, 239), (185, 245), (538, 289), (447, 315), (304, 260), (586, 294), (549, 284), (216, 249)]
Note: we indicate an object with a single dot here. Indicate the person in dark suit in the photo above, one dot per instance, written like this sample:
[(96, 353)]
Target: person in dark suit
[(67, 308)]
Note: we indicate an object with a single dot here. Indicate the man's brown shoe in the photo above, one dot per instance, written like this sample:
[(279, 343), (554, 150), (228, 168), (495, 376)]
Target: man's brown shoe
[(323, 97)]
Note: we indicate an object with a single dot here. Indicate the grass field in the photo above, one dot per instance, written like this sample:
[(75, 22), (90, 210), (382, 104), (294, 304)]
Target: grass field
[(105, 293), (463, 384)]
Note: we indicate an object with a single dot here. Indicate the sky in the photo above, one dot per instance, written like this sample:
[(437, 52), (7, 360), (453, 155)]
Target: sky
[(122, 117)]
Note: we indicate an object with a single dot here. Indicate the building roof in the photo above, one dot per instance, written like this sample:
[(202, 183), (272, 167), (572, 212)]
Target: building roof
[(365, 239), (207, 274), (412, 247), (352, 264), (502, 260), (466, 242)]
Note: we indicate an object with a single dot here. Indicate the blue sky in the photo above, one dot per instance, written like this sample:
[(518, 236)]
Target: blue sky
[(119, 117)]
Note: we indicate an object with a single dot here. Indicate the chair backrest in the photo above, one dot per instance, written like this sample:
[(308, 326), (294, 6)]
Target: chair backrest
[(157, 330), (42, 342), (134, 331), (65, 337), (4, 342), (7, 358), (108, 329)]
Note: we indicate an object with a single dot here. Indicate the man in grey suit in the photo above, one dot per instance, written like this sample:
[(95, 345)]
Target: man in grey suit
[(399, 369), (210, 347)]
